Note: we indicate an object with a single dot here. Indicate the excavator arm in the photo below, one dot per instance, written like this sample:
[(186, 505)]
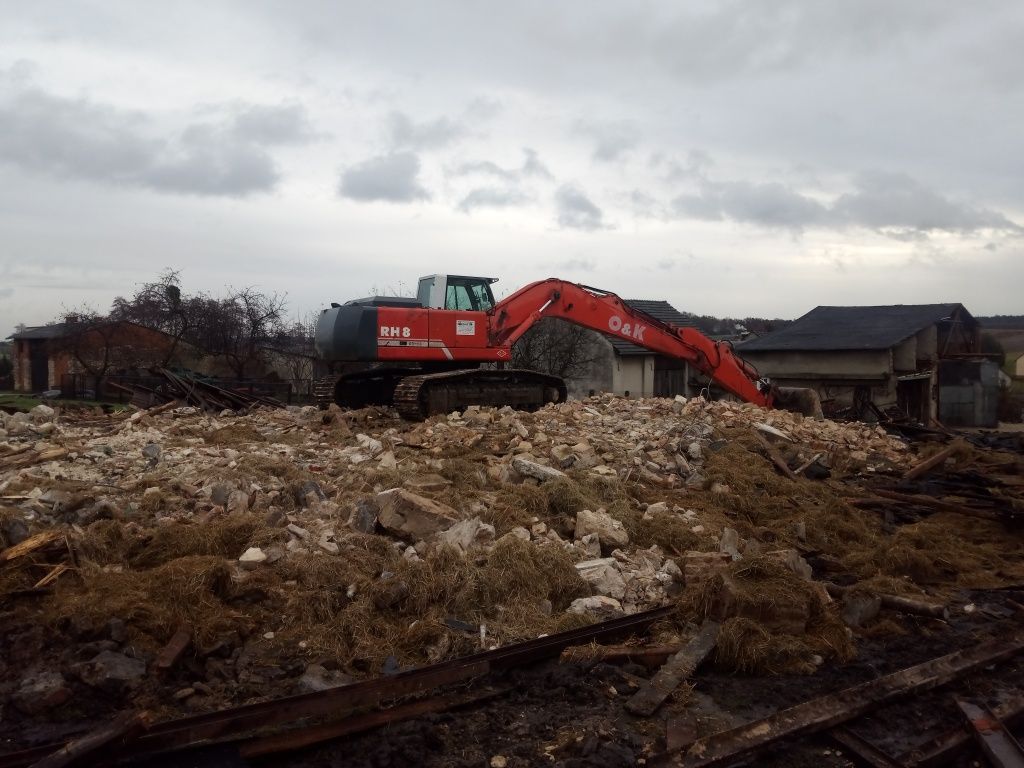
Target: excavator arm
[(605, 312)]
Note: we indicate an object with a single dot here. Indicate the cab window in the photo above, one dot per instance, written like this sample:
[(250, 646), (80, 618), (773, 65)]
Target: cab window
[(458, 298), (482, 297), (463, 294)]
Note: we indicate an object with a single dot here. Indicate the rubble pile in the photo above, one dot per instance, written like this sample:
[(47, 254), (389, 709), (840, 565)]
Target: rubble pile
[(296, 549)]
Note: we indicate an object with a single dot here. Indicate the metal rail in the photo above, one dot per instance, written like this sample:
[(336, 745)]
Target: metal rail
[(337, 703)]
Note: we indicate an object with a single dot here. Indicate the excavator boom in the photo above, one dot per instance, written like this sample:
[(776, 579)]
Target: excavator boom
[(605, 312)]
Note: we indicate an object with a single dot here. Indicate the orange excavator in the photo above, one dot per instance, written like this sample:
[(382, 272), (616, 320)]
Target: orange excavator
[(424, 355)]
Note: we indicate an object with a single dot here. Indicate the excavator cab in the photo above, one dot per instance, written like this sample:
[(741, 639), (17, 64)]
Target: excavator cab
[(456, 292)]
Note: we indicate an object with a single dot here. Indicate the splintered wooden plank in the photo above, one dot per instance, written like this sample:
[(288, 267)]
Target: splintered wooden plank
[(52, 576), (828, 711), (29, 545), (677, 669)]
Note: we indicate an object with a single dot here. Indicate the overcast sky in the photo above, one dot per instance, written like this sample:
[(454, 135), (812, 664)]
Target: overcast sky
[(735, 158)]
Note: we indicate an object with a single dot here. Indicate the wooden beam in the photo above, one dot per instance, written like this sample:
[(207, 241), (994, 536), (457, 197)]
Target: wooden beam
[(683, 664), (929, 464), (829, 711), (776, 459)]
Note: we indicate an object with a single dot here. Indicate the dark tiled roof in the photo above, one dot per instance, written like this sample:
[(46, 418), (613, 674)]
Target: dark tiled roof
[(659, 310), (54, 331), (826, 329)]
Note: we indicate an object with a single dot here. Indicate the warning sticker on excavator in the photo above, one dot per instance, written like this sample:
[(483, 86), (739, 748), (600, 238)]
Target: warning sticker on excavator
[(465, 327)]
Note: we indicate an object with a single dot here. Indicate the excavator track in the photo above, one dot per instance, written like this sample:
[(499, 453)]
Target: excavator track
[(359, 389), (417, 397)]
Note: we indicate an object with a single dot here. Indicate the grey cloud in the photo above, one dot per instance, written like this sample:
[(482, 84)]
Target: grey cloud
[(392, 178), (286, 124), (492, 197), (885, 201), (210, 161), (577, 264), (431, 134), (611, 139), (770, 204), (78, 138), (531, 167), (739, 37), (576, 210), (697, 164), (893, 204)]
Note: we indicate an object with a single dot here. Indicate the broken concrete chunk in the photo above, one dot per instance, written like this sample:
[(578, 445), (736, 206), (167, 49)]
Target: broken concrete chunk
[(468, 535), (603, 576), (671, 569), (387, 460), (298, 530), (41, 413), (794, 562), (518, 533), (429, 483), (730, 543), (251, 558), (110, 671), (590, 544), (599, 607), (238, 501), (370, 445), (329, 546), (219, 494), (535, 470), (317, 678), (610, 532), (41, 691), (363, 515), (413, 517), (698, 567), (310, 493), (768, 429), (564, 456)]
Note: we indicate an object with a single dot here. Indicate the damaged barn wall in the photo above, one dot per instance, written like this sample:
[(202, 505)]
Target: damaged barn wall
[(634, 374), (844, 365), (834, 375), (969, 393)]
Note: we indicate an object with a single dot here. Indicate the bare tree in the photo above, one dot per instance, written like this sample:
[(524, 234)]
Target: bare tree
[(558, 348), (293, 350), (160, 306), (240, 327)]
